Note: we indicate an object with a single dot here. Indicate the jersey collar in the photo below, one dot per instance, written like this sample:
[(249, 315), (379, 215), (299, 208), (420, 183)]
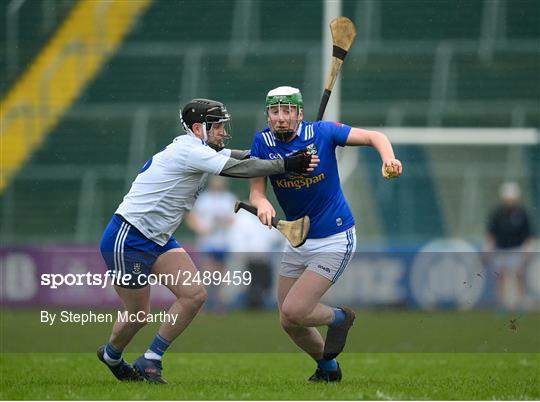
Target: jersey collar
[(300, 129), (192, 135)]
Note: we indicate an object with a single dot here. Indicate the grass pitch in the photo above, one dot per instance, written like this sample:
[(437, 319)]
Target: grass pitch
[(278, 376), (238, 356)]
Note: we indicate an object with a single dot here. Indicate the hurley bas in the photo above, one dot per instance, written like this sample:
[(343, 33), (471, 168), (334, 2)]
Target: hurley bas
[(82, 318)]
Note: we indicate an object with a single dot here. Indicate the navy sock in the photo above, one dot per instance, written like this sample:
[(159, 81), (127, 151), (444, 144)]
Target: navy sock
[(327, 365), (339, 317), (159, 345), (112, 352)]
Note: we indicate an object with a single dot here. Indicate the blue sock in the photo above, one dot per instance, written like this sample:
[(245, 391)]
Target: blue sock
[(339, 317), (327, 365), (159, 345), (112, 354)]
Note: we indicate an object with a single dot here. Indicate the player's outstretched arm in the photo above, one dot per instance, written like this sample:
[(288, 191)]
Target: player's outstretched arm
[(233, 153), (299, 163), (240, 154), (391, 166), (257, 198)]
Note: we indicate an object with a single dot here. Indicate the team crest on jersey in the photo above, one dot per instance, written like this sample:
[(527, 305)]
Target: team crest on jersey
[(311, 149), (137, 268)]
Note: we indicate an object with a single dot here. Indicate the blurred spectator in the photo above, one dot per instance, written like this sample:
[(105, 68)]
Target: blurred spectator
[(211, 219), (509, 241), (252, 244)]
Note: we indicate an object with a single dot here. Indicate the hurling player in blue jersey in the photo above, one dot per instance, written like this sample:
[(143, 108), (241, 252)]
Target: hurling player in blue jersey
[(307, 272)]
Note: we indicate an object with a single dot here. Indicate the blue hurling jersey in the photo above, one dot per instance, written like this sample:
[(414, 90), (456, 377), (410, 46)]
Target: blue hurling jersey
[(317, 194)]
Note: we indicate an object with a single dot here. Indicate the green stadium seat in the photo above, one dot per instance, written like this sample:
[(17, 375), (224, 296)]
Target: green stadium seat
[(186, 21), (86, 141), (363, 117), (250, 81), (137, 79), (522, 19), (388, 77), (532, 118), (284, 20), (33, 34), (427, 20), (510, 75), (45, 209), (463, 117)]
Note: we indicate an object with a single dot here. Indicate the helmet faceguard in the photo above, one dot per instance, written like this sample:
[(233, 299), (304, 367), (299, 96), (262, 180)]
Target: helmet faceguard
[(215, 120), (218, 129), (284, 97)]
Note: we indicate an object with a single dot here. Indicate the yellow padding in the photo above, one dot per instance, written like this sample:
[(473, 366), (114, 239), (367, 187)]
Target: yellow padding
[(83, 43)]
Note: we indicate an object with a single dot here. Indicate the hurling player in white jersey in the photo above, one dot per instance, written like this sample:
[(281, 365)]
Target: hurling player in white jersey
[(308, 271), (139, 241)]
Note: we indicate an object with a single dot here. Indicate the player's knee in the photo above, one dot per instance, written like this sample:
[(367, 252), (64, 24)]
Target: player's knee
[(291, 316), (200, 296), (286, 324), (195, 298)]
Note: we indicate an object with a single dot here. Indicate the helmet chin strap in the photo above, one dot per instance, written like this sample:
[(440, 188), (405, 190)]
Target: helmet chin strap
[(284, 135), (205, 134), (190, 132)]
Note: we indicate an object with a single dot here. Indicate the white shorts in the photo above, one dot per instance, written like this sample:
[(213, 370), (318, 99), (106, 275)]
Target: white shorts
[(328, 256)]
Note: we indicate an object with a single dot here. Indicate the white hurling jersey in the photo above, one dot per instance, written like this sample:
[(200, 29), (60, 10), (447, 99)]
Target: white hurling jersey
[(168, 185)]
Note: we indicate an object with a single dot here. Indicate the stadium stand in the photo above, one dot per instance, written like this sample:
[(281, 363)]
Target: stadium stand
[(421, 20), (33, 23), (420, 65)]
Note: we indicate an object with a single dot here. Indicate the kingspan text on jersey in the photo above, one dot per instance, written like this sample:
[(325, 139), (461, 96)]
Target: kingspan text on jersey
[(300, 182)]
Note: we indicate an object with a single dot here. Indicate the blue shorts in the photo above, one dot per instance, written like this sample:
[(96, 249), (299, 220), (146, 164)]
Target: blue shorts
[(128, 254)]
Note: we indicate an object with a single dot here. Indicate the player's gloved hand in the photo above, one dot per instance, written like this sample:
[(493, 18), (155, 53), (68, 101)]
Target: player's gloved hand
[(301, 162)]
